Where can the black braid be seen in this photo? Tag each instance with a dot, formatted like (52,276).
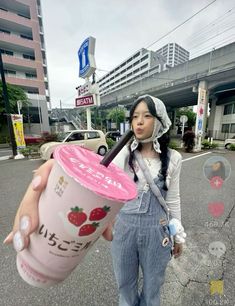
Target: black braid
(164,157)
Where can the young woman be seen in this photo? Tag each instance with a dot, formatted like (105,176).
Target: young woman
(140,237)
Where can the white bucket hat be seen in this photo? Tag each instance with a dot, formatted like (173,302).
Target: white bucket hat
(160,127)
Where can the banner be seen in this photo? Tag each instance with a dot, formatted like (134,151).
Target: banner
(17,122)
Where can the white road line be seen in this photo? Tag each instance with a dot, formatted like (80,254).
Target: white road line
(196,156)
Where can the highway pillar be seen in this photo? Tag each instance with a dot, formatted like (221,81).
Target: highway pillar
(202,105)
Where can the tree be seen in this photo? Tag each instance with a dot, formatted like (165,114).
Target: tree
(189,113)
(15,93)
(117,115)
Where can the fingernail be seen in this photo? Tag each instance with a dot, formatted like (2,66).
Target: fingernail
(8,237)
(25,224)
(18,241)
(36,181)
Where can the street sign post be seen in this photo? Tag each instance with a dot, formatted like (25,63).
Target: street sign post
(183,120)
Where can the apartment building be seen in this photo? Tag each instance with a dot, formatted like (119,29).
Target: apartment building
(174,54)
(139,65)
(24,56)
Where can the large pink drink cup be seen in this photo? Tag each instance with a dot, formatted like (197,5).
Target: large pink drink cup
(81,198)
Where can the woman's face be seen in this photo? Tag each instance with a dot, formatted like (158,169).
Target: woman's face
(142,122)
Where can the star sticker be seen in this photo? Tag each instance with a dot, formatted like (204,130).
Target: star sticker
(201,111)
(216,182)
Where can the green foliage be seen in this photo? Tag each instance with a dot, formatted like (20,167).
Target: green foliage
(189,113)
(15,93)
(30,151)
(173,145)
(110,143)
(208,145)
(116,115)
(232,147)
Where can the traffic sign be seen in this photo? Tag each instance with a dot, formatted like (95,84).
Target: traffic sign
(86,58)
(183,119)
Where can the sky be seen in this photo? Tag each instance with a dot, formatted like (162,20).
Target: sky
(121,28)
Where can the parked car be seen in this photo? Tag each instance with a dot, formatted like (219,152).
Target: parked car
(90,139)
(228,142)
(114,135)
(32,139)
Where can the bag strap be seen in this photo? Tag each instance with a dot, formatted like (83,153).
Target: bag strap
(150,181)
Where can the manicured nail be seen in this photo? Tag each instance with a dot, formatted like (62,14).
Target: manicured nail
(8,237)
(18,241)
(25,224)
(36,181)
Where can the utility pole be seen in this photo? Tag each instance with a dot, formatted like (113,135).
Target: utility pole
(7,106)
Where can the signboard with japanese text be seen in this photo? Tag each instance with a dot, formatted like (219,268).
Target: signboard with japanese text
(17,122)
(85,101)
(86,58)
(201,110)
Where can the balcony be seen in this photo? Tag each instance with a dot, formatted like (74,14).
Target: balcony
(25,82)
(17,40)
(14,18)
(19,61)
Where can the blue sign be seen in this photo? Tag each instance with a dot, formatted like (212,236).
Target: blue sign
(86,58)
(200,124)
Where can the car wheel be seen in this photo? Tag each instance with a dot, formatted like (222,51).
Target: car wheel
(227,146)
(102,151)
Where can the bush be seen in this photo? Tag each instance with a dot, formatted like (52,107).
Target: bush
(232,147)
(173,145)
(47,137)
(208,145)
(30,150)
(214,145)
(110,143)
(4,139)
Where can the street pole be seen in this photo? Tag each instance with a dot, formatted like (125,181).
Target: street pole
(7,106)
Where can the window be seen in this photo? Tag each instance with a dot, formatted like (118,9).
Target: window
(225,128)
(5,31)
(232,128)
(27,56)
(26,37)
(12,72)
(75,136)
(30,75)
(144,58)
(7,52)
(92,135)
(228,109)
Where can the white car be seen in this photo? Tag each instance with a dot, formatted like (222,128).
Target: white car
(228,142)
(93,140)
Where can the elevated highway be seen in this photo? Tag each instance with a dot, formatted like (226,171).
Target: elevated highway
(178,86)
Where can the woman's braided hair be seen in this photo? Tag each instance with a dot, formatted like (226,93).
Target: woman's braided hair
(163,141)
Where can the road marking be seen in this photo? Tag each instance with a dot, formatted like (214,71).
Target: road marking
(4,157)
(196,156)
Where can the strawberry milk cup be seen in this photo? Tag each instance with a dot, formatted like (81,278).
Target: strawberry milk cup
(81,198)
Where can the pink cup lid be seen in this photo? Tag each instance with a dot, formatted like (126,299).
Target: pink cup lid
(84,167)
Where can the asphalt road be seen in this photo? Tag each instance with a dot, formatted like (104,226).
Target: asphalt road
(92,283)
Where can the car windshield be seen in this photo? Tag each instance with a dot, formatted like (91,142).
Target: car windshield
(62,136)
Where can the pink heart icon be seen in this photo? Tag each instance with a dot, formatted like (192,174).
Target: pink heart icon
(216,209)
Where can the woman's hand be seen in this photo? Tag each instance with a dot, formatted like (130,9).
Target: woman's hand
(26,219)
(177,250)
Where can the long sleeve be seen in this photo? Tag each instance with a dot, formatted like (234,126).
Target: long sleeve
(173,193)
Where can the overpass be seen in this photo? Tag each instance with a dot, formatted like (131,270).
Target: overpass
(178,86)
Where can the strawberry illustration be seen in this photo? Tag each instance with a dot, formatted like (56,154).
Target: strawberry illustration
(77,216)
(99,213)
(88,229)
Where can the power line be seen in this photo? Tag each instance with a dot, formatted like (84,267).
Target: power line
(178,26)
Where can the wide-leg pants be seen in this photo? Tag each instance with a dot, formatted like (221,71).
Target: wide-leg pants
(138,242)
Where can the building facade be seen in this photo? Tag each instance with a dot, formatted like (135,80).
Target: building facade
(23,51)
(139,65)
(174,54)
